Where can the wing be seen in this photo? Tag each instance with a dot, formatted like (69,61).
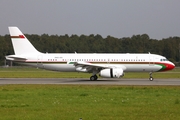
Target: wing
(89,67)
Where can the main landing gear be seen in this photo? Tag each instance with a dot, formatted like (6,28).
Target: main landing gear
(93,77)
(150,76)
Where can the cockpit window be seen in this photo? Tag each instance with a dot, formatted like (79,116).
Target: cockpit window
(163,60)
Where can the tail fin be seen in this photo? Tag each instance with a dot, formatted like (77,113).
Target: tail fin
(20,43)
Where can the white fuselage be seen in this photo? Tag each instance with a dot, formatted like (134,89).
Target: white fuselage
(128,62)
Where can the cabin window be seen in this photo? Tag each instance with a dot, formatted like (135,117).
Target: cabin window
(163,60)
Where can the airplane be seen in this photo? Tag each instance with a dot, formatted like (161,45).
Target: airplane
(106,65)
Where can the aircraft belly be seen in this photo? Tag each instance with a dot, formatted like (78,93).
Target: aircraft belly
(60,67)
(54,67)
(142,68)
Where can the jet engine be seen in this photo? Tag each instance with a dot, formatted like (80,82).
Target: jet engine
(112,73)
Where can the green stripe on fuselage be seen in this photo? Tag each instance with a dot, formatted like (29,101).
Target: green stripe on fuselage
(163,67)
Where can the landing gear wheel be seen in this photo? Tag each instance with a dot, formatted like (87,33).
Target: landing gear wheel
(151,78)
(94,77)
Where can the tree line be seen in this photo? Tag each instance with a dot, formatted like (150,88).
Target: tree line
(168,47)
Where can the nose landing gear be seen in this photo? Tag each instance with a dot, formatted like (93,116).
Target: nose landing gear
(150,76)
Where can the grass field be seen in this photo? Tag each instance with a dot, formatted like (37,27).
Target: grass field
(28,72)
(71,102)
(89,102)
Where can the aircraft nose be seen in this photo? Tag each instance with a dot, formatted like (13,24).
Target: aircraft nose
(170,66)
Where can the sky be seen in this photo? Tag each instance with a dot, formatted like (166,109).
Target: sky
(118,18)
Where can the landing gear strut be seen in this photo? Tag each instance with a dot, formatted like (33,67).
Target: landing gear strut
(150,76)
(93,77)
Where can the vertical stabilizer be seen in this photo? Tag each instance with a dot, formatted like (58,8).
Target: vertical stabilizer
(20,43)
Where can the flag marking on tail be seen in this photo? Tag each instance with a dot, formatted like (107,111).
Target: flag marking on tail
(21,44)
(20,36)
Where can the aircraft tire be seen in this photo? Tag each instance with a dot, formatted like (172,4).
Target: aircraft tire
(94,77)
(151,78)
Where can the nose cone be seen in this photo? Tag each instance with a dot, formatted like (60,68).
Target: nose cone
(169,66)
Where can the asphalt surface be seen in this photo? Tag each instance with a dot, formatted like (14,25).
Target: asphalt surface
(86,81)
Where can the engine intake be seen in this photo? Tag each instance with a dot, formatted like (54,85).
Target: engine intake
(112,73)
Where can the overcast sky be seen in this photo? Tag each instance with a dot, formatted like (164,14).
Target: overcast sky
(118,18)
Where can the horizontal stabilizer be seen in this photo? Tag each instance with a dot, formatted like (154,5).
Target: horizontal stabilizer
(15,57)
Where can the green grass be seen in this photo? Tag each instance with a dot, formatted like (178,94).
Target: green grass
(89,102)
(28,72)
(93,102)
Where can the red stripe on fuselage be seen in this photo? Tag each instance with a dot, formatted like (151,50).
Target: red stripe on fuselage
(167,66)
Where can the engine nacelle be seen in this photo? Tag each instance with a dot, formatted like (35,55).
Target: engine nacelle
(112,73)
